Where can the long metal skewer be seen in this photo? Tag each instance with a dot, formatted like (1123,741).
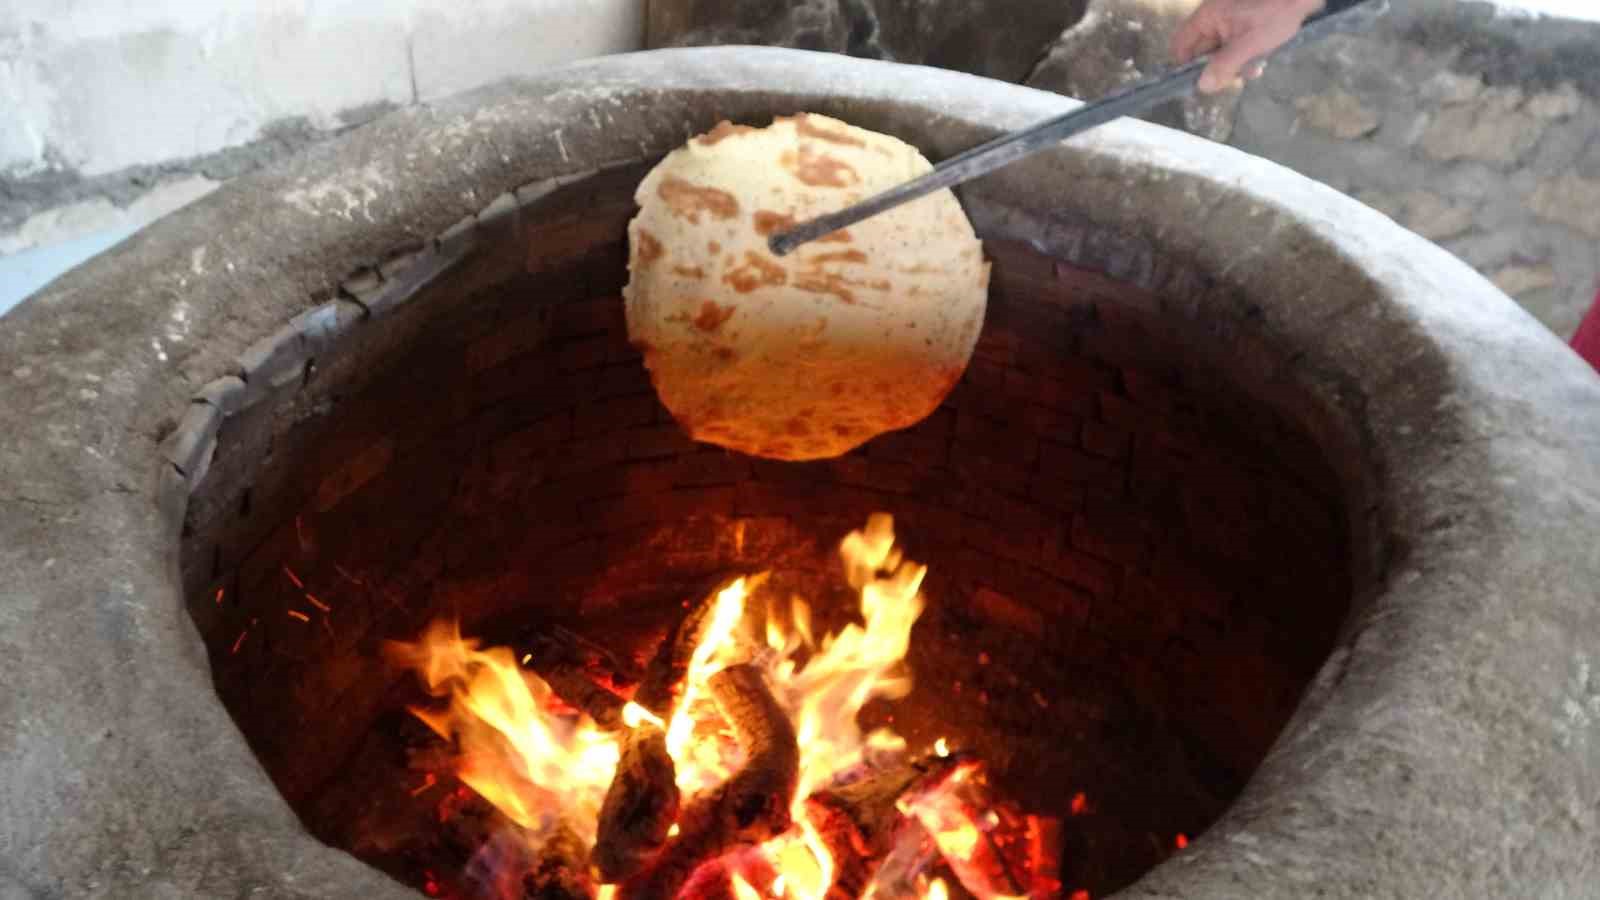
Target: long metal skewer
(1002,151)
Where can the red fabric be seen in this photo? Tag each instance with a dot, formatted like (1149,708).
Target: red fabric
(1587,338)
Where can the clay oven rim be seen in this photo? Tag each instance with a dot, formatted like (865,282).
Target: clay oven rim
(1422,762)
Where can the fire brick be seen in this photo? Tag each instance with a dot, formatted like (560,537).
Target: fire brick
(1191,589)
(980,429)
(1058,426)
(585,455)
(521,335)
(617,381)
(587,317)
(656,442)
(910,447)
(1052,392)
(355,472)
(664,507)
(1105,440)
(1003,509)
(1016,545)
(1147,390)
(1122,412)
(997,468)
(582,353)
(1095,576)
(1073,465)
(876,474)
(1111,534)
(997,607)
(710,467)
(615,414)
(1058,494)
(532,440)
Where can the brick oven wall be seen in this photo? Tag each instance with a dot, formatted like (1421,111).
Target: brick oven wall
(1137,545)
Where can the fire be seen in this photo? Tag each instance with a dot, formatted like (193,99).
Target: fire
(533,766)
(519,746)
(699,763)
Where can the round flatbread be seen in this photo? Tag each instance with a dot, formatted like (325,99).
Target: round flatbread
(809,355)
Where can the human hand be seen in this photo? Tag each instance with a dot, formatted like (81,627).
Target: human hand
(1236,33)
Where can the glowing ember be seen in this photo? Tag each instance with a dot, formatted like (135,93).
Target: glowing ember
(774,790)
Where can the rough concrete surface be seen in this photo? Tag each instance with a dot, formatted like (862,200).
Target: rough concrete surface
(1450,747)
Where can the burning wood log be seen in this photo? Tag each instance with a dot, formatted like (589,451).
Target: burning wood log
(562,870)
(748,809)
(579,691)
(991,847)
(717,880)
(663,682)
(640,806)
(712,881)
(913,854)
(584,675)
(642,802)
(617,672)
(862,822)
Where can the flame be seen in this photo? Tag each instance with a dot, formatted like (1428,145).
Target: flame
(700,764)
(743,890)
(633,715)
(534,766)
(539,767)
(844,672)
(855,666)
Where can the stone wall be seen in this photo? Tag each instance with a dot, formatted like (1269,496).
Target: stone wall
(1479,132)
(1477,128)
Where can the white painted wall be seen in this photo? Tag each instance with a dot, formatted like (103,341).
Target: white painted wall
(101,85)
(1570,9)
(94,87)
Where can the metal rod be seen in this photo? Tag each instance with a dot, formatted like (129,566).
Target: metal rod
(1341,15)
